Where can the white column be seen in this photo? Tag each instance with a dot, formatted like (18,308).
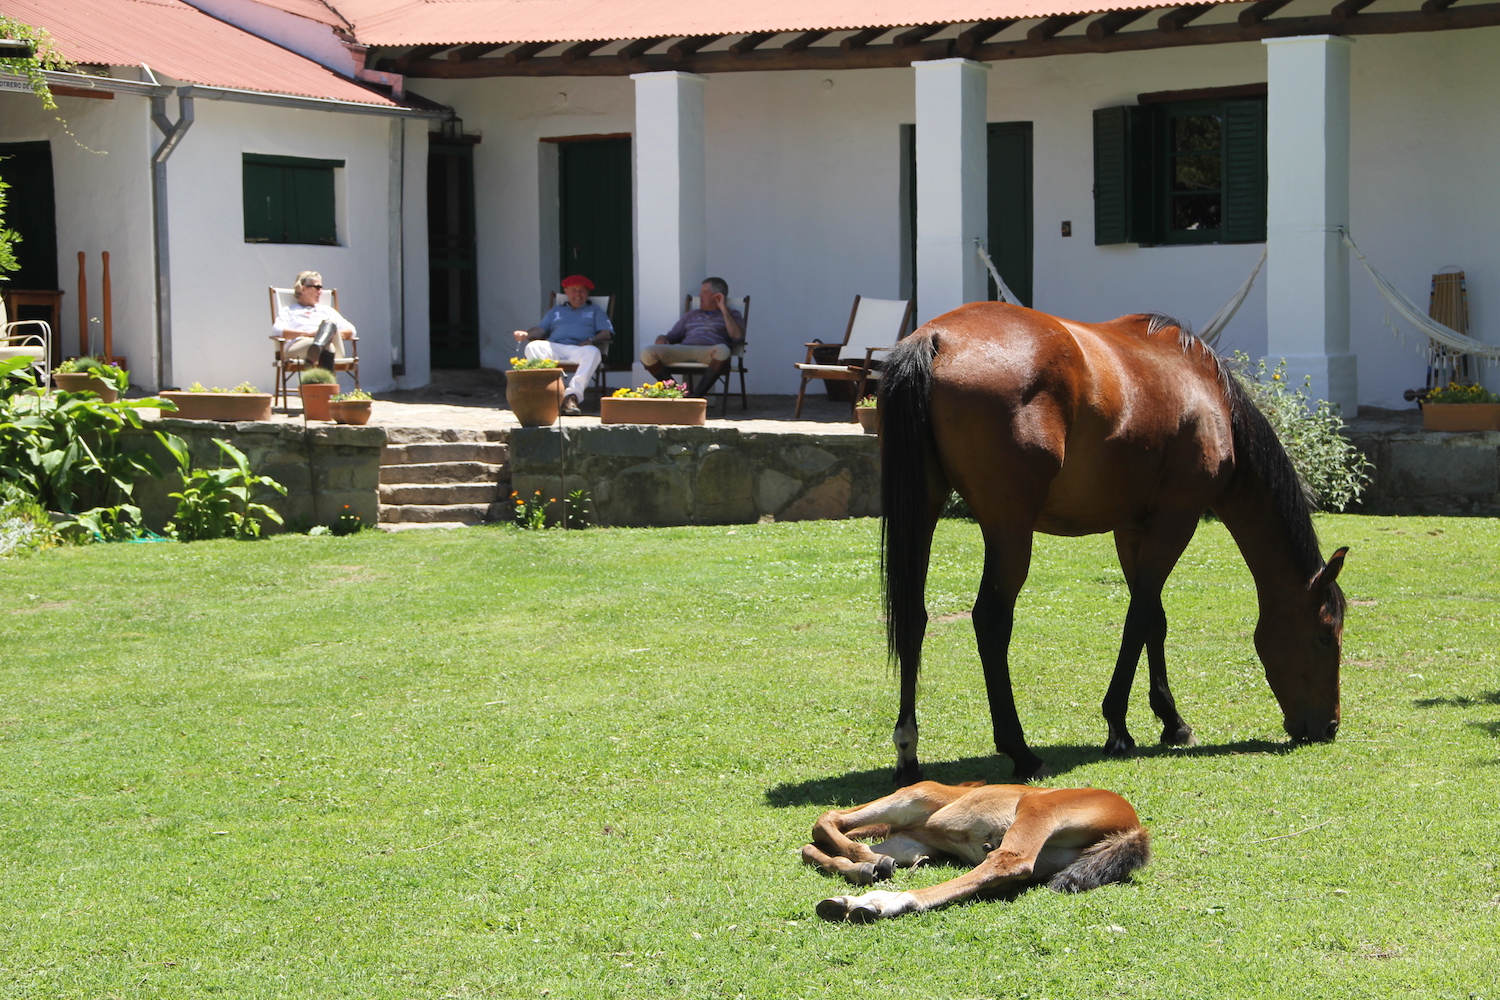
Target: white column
(1307,200)
(671,200)
(952,157)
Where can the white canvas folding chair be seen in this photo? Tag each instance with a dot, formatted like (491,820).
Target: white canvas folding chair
(286,368)
(736,355)
(605,302)
(875,325)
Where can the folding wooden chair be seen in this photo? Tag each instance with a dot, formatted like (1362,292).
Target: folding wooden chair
(605,302)
(285,369)
(874,325)
(736,356)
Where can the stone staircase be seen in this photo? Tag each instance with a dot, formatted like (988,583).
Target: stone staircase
(442,478)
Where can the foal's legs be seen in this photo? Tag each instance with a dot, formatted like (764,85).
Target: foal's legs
(1147,558)
(836,853)
(1007,558)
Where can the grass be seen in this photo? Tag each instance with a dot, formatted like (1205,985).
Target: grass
(503,764)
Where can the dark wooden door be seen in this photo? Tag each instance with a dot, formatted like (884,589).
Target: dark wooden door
(1010,205)
(453,311)
(31,212)
(595,230)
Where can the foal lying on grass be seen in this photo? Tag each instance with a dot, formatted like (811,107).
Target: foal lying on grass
(1015,835)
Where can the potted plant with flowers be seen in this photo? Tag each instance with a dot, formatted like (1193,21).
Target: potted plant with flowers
(867,412)
(534,391)
(1461,408)
(317,386)
(92,375)
(653,403)
(243,402)
(351,407)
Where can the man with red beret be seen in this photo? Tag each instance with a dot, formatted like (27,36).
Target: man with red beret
(575,331)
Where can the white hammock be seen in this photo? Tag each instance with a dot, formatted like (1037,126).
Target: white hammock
(1409,311)
(1215,326)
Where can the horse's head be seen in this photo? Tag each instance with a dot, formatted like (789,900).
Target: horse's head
(1300,650)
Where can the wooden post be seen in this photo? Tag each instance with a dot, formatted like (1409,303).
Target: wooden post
(83,308)
(109,347)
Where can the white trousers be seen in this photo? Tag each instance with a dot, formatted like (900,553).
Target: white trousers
(586,356)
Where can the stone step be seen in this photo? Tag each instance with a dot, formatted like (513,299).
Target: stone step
(439,493)
(412,513)
(421,525)
(434,452)
(442,472)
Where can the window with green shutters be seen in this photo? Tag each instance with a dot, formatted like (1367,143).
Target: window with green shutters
(289,199)
(1176,172)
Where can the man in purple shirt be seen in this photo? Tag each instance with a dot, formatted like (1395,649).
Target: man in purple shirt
(702,335)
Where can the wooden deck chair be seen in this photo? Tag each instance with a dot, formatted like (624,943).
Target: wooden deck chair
(285,368)
(31,338)
(874,325)
(605,302)
(693,369)
(1448,303)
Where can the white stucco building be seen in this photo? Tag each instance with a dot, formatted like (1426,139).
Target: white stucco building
(1116,161)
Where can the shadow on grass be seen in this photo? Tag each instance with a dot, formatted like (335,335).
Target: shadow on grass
(840,791)
(1460,700)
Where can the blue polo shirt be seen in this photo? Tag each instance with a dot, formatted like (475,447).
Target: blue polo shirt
(565,325)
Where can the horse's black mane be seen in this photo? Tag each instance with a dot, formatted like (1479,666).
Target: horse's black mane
(1257,447)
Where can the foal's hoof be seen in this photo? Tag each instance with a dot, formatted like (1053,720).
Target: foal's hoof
(835,909)
(1179,737)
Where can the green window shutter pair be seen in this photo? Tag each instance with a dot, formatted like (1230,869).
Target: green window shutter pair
(289,199)
(1132,186)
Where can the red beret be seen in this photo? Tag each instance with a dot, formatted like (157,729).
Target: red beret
(578,279)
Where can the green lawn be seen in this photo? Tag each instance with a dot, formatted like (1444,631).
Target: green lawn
(500,764)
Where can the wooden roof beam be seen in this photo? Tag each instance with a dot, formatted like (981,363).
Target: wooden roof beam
(1258,12)
(1172,20)
(912,36)
(1102,27)
(971,38)
(802,41)
(752,41)
(684,47)
(468,53)
(1051,26)
(1349,8)
(416,54)
(584,49)
(637,48)
(860,39)
(525,51)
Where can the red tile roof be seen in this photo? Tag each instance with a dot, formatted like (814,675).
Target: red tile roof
(182,43)
(453,22)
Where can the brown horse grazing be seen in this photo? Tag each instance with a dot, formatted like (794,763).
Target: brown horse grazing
(1131,426)
(1073,839)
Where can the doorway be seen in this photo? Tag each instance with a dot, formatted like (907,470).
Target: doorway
(1009,180)
(453,310)
(594,230)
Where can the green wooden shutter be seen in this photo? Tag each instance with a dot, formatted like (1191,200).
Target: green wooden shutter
(262,199)
(1245,171)
(289,199)
(1112,187)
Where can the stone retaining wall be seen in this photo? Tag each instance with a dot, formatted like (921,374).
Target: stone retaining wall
(323,466)
(1430,472)
(639,475)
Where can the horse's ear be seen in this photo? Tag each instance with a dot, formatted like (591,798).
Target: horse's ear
(1329,572)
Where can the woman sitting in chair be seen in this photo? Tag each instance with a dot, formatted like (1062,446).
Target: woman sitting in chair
(301,324)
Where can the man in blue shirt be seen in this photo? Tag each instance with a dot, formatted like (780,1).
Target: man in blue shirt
(575,331)
(703,336)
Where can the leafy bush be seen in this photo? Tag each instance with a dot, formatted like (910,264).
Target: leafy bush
(25,526)
(1332,469)
(216,503)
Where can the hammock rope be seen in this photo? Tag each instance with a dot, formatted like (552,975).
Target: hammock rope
(1006,295)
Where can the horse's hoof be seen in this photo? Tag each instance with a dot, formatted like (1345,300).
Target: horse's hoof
(885,867)
(1183,737)
(1036,768)
(1119,746)
(835,909)
(863,874)
(907,773)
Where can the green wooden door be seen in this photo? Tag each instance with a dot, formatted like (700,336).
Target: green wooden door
(453,310)
(30,211)
(595,231)
(1010,206)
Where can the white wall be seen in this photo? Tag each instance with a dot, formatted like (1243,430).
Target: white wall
(220,313)
(102,185)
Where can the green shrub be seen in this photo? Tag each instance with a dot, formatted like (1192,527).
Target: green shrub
(1332,469)
(216,503)
(25,526)
(317,376)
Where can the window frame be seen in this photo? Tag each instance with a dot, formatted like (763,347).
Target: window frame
(289,199)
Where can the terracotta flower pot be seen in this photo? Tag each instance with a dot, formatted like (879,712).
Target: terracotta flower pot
(351,411)
(315,397)
(1461,416)
(236,406)
(630,410)
(534,395)
(84,382)
(869,419)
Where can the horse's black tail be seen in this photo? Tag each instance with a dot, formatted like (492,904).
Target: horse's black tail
(905,457)
(1110,860)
